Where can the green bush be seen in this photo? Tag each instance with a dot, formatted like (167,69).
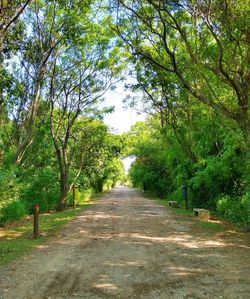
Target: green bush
(245,201)
(85,194)
(223,204)
(176,195)
(15,210)
(41,188)
(9,189)
(107,184)
(236,210)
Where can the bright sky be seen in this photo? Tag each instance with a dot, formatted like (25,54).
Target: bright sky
(122,118)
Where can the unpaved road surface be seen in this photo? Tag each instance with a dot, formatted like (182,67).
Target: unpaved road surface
(126,246)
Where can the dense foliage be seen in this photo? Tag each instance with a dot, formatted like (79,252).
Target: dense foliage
(216,174)
(191,61)
(188,59)
(55,66)
(196,47)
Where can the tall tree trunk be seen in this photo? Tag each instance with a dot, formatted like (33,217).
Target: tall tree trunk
(63,164)
(244,123)
(64,186)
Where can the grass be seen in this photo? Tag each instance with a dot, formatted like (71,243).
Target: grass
(210,225)
(183,212)
(17,239)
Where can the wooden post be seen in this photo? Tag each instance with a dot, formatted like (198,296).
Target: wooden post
(36,213)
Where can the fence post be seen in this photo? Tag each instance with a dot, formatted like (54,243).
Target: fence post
(36,214)
(184,195)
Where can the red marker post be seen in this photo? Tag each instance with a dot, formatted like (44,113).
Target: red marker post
(36,213)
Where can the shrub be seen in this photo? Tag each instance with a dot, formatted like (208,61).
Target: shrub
(245,201)
(15,210)
(223,204)
(236,210)
(41,188)
(107,184)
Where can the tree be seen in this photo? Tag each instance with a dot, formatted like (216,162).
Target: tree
(80,75)
(201,47)
(55,72)
(44,37)
(10,11)
(73,93)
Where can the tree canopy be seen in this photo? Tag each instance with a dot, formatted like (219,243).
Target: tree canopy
(189,59)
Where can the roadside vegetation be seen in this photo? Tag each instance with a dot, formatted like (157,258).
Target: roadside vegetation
(55,66)
(17,237)
(189,63)
(218,180)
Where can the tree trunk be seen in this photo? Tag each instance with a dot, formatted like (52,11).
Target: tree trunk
(62,205)
(243,121)
(100,185)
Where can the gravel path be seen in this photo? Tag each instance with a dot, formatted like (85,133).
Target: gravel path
(126,246)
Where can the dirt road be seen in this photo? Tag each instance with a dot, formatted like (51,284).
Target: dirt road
(126,246)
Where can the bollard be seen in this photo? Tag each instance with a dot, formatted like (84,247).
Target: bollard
(36,213)
(184,195)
